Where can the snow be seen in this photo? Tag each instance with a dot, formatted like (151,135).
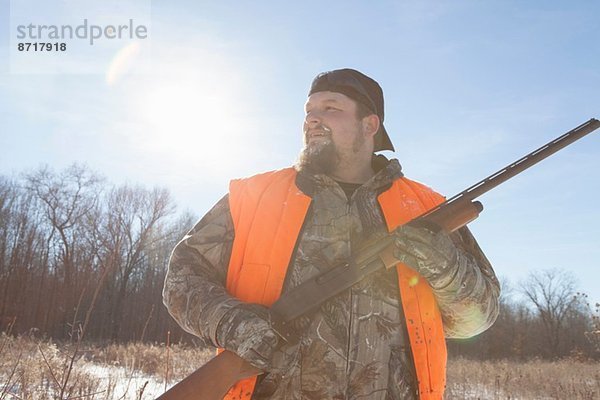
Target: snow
(124,383)
(100,382)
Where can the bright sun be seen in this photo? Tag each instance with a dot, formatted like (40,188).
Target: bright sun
(194,113)
(182,117)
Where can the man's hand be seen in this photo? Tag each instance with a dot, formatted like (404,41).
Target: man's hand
(246,331)
(433,255)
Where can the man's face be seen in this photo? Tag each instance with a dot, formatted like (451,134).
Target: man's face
(332,131)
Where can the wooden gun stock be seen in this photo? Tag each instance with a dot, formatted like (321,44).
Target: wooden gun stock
(214,379)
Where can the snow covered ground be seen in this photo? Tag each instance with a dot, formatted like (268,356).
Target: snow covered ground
(124,383)
(102,382)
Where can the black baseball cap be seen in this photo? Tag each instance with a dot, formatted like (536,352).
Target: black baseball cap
(360,88)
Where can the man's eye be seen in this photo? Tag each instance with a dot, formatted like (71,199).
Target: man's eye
(329,108)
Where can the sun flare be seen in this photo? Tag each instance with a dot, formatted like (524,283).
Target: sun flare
(192,112)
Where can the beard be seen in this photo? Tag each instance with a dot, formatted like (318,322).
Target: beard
(323,156)
(318,158)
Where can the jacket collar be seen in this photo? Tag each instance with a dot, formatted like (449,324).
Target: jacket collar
(386,172)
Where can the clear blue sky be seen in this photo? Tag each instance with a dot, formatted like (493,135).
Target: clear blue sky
(217,92)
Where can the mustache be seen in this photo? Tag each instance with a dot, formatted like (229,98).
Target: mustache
(319,127)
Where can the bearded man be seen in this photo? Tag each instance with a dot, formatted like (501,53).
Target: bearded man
(384,338)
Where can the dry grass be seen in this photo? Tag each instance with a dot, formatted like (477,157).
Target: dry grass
(537,379)
(152,359)
(37,369)
(34,369)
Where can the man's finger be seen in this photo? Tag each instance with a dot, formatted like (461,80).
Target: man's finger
(420,234)
(414,248)
(407,259)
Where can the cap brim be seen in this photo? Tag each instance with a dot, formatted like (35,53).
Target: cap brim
(382,140)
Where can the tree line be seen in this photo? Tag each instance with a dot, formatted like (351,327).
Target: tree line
(543,316)
(80,257)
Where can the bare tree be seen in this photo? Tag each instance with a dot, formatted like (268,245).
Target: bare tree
(130,227)
(69,246)
(66,198)
(593,333)
(11,228)
(553,295)
(20,251)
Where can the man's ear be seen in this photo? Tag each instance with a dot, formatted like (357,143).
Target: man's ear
(370,125)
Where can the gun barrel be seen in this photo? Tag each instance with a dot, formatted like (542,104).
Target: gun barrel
(522,164)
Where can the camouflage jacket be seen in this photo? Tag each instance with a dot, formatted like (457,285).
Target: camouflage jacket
(354,346)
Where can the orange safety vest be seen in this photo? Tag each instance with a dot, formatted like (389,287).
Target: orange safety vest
(268,211)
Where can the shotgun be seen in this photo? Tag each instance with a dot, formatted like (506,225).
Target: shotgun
(212,380)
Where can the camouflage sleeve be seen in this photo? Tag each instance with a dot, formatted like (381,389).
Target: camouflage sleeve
(194,291)
(468,299)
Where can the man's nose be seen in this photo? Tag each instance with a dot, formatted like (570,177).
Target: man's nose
(312,118)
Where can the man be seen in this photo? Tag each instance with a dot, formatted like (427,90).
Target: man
(384,338)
